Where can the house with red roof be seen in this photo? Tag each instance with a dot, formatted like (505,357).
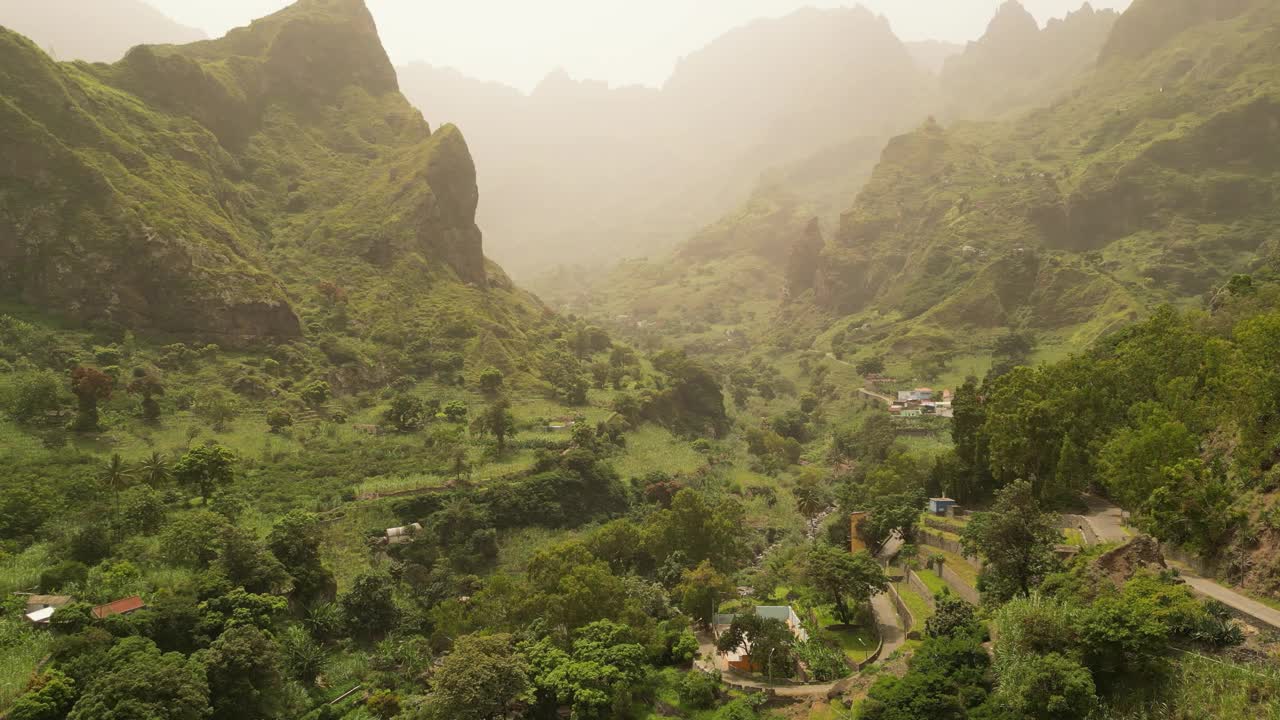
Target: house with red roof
(124,606)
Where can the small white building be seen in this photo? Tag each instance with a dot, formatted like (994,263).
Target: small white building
(401,535)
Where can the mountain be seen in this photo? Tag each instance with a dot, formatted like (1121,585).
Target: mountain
(238,189)
(1017,65)
(931,55)
(582,170)
(97,31)
(1152,183)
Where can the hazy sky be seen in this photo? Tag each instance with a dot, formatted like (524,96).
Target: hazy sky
(622,41)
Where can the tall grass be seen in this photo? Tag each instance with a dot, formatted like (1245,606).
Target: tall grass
(21,572)
(655,448)
(21,649)
(1204,687)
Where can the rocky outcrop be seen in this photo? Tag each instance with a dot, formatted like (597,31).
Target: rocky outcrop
(1121,564)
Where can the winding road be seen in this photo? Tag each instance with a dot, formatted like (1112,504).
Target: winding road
(1107,522)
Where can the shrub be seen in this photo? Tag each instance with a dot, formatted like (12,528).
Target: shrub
(699,690)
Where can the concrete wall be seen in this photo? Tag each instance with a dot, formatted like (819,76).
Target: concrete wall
(1077,522)
(958,586)
(909,623)
(929,537)
(933,539)
(918,585)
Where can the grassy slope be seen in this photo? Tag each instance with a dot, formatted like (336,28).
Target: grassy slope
(1149,184)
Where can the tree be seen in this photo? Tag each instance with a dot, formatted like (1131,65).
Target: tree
(217,406)
(194,539)
(148,387)
(317,393)
(812,496)
(698,690)
(701,591)
(406,414)
(369,608)
(1015,541)
(1048,687)
(278,419)
(295,540)
(952,617)
(142,509)
(767,642)
(154,470)
(30,395)
(116,476)
(844,579)
(140,683)
(243,667)
(245,561)
(205,469)
(481,679)
(301,656)
(491,381)
(455,411)
(888,513)
(50,697)
(870,366)
(90,386)
(496,421)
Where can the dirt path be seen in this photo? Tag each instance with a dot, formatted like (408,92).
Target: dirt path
(882,398)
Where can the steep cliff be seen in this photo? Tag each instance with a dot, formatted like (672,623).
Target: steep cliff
(207,189)
(1017,65)
(1152,183)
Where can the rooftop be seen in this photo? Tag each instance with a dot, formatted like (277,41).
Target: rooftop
(123,606)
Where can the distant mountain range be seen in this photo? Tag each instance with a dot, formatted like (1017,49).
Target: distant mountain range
(578,170)
(95,30)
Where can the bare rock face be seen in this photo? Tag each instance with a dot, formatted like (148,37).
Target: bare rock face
(1121,564)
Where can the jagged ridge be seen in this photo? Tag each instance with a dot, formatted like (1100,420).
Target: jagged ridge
(209,187)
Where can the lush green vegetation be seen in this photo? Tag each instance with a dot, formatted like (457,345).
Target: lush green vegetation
(255,370)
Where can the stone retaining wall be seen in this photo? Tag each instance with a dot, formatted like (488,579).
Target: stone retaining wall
(908,620)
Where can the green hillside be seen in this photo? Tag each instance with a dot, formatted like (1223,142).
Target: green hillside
(1152,183)
(229,190)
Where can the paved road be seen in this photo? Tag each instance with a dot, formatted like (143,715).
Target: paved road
(1253,609)
(890,624)
(1106,520)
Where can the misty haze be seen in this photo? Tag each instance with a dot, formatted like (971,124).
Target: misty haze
(751,360)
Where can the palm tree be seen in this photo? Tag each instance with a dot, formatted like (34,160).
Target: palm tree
(116,475)
(155,470)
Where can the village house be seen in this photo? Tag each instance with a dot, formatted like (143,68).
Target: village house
(41,607)
(738,659)
(401,535)
(124,606)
